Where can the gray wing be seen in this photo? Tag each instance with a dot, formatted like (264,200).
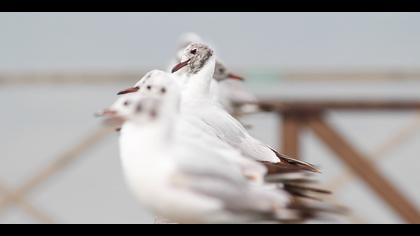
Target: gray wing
(226,127)
(215,177)
(245,202)
(198,160)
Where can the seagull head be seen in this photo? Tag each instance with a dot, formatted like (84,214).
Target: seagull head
(136,108)
(155,82)
(221,73)
(145,110)
(155,86)
(194,58)
(118,112)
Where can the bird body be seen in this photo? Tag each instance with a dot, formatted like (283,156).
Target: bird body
(235,97)
(196,72)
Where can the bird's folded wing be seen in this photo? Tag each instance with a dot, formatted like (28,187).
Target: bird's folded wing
(237,197)
(205,161)
(227,127)
(208,145)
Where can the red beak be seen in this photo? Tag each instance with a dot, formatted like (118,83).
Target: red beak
(235,77)
(180,66)
(106,112)
(112,118)
(129,90)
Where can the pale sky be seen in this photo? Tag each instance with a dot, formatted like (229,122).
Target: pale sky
(120,41)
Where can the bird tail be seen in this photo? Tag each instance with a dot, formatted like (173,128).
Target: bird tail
(301,211)
(298,185)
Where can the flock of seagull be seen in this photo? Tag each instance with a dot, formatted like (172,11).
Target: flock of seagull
(188,160)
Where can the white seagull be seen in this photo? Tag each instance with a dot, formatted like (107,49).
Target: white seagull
(196,69)
(232,93)
(227,88)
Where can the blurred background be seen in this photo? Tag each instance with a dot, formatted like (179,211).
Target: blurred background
(58,69)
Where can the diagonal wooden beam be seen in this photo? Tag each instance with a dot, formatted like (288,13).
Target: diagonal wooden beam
(365,169)
(57,165)
(28,208)
(405,134)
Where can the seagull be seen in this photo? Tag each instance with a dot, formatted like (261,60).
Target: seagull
(184,182)
(227,88)
(196,69)
(231,92)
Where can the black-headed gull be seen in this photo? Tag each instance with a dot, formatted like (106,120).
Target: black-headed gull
(196,70)
(229,90)
(196,75)
(232,93)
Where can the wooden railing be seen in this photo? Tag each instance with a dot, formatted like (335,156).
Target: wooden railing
(298,115)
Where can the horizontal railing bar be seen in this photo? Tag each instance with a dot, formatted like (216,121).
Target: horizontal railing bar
(101,77)
(322,105)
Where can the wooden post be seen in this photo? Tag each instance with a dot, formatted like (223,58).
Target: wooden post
(365,169)
(290,129)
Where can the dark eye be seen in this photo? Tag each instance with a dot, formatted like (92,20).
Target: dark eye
(126,103)
(193,51)
(163,90)
(221,70)
(149,87)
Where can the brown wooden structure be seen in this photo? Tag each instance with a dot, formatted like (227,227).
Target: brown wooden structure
(298,115)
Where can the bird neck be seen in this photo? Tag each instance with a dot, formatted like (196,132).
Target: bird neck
(143,145)
(156,133)
(198,84)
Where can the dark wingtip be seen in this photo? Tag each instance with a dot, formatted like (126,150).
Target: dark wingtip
(304,165)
